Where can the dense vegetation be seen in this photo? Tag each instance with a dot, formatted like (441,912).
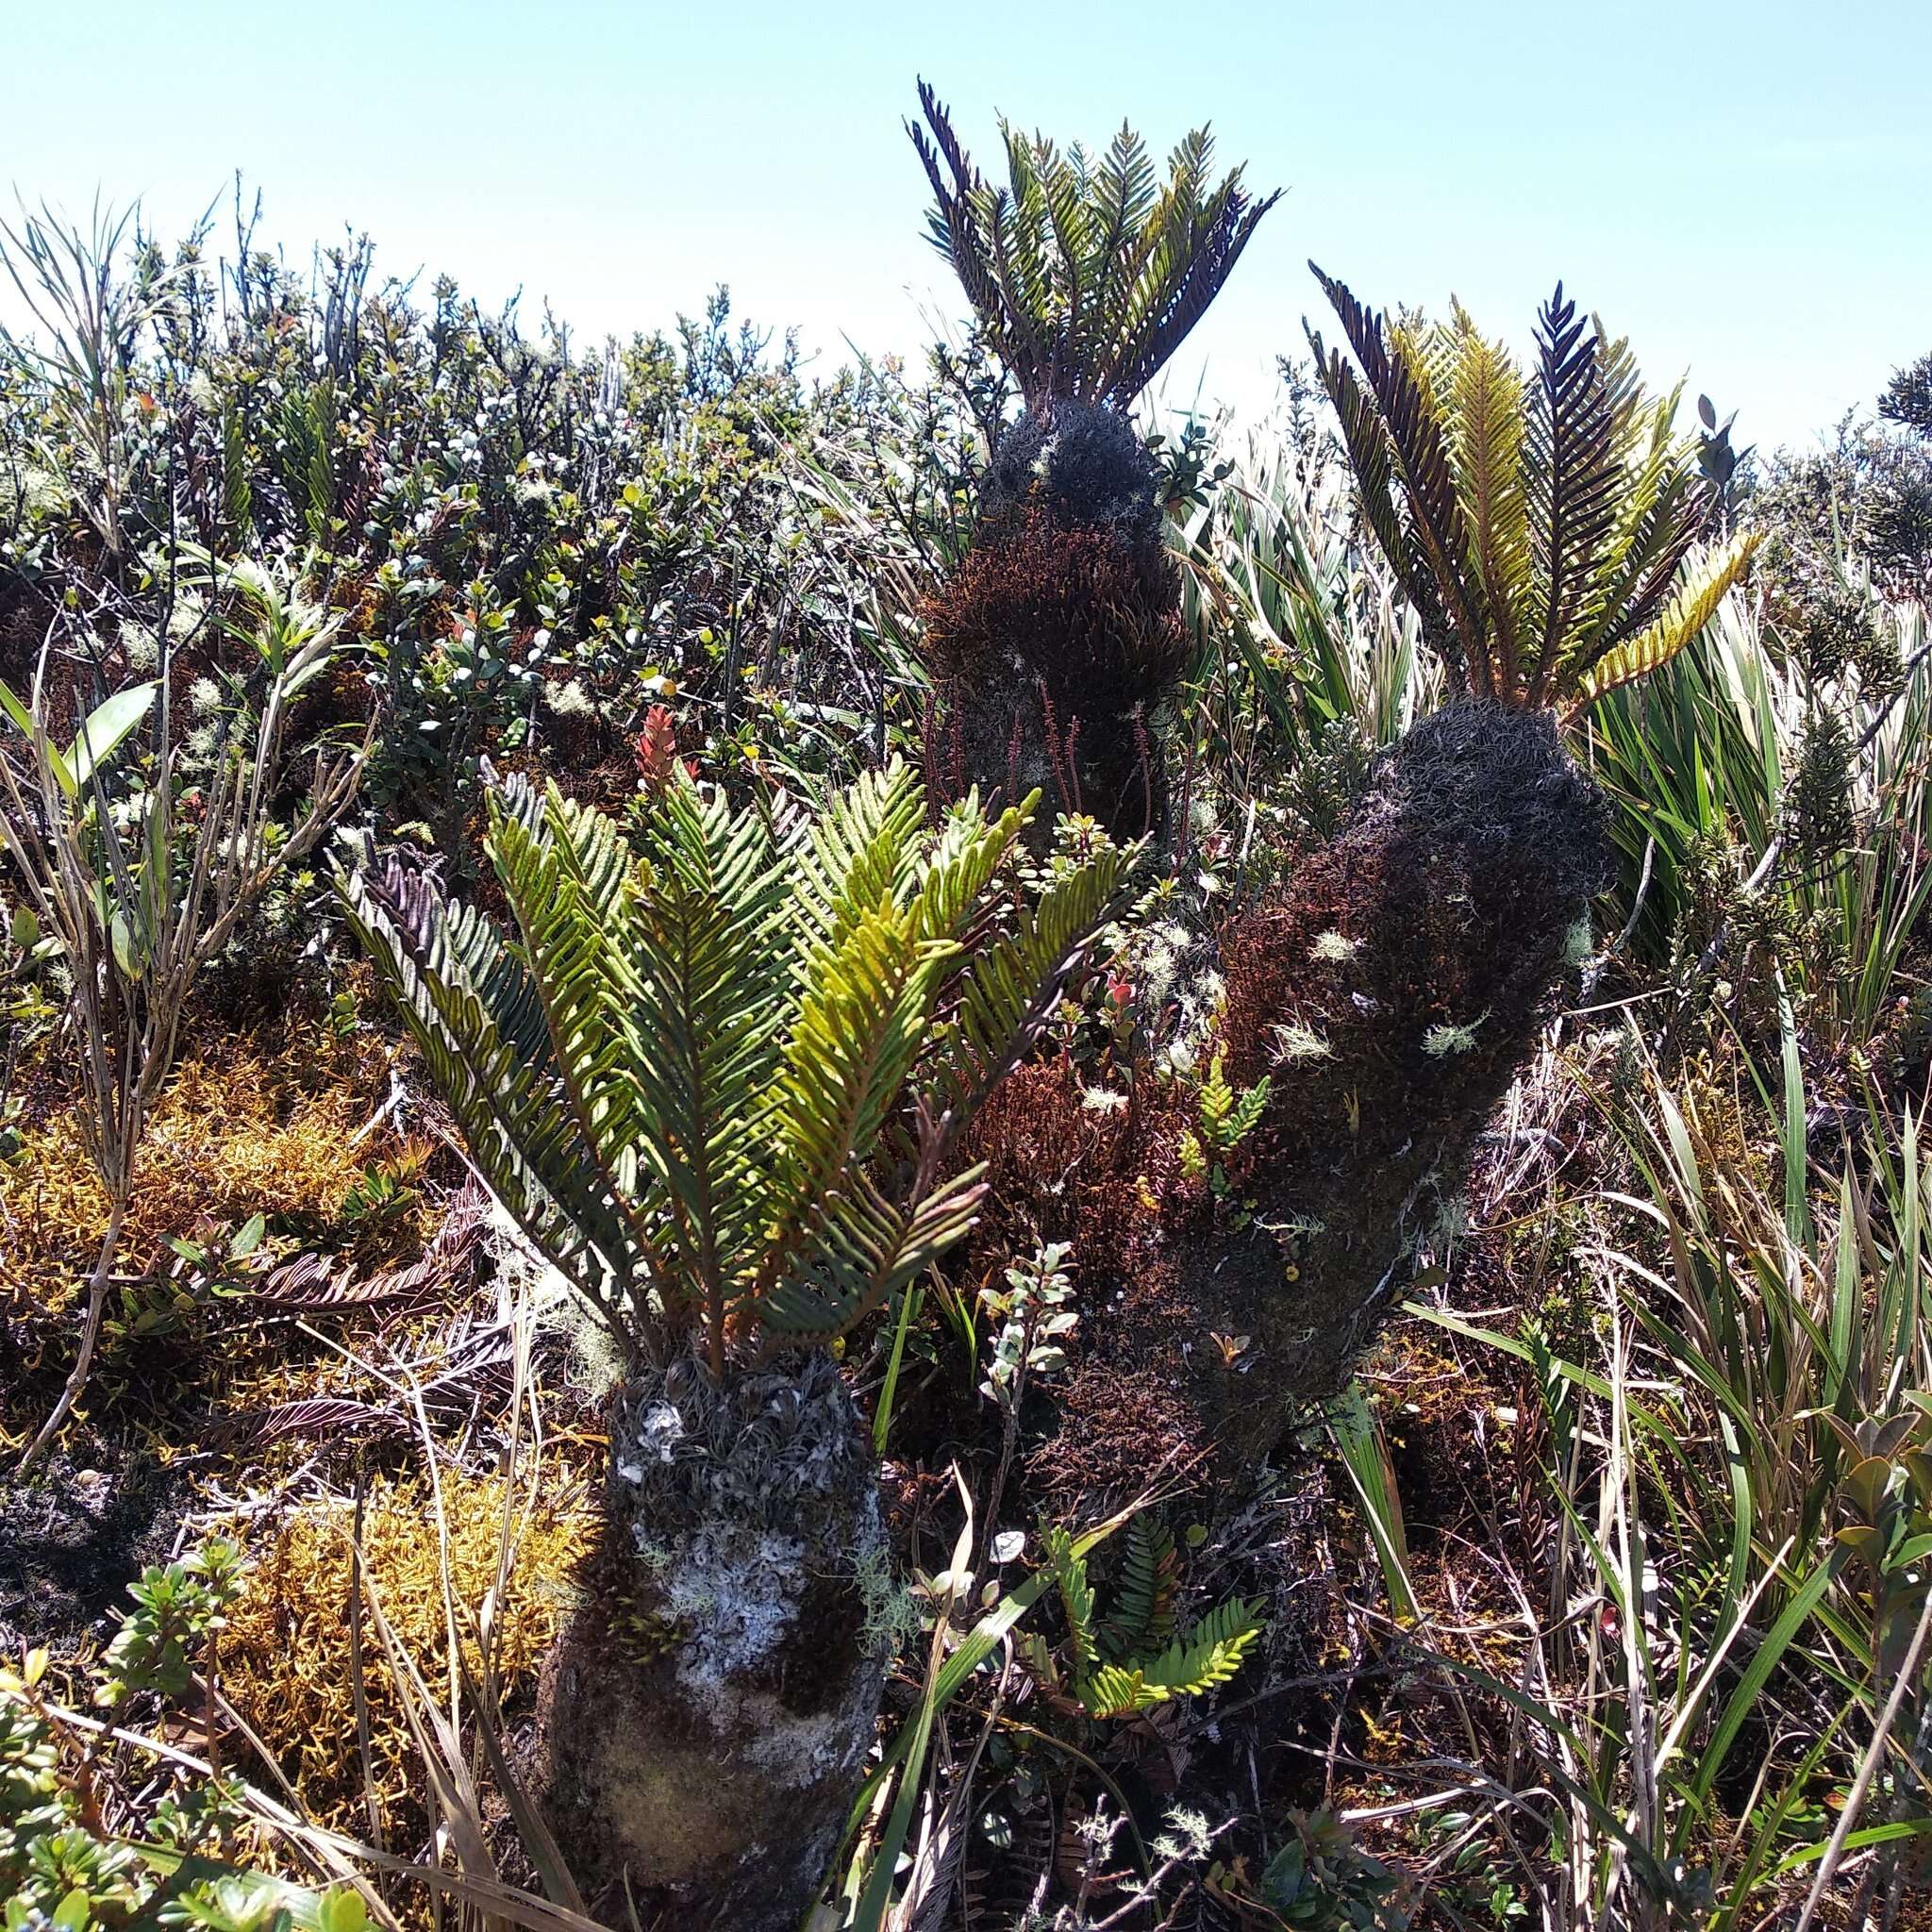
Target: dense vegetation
(910,1154)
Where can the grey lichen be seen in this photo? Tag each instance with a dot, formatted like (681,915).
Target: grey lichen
(740,1501)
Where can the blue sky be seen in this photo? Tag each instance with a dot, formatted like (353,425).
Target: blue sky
(1745,190)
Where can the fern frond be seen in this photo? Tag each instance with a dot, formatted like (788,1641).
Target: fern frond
(1691,606)
(1416,440)
(864,850)
(1572,481)
(1004,993)
(476,1015)
(1208,1655)
(691,1078)
(864,1250)
(568,880)
(1372,460)
(1085,277)
(1141,1619)
(1487,431)
(1069,1568)
(714,997)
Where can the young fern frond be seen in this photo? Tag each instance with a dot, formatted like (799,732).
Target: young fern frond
(1130,1678)
(1207,1656)
(1693,604)
(1077,1600)
(1141,1619)
(700,1077)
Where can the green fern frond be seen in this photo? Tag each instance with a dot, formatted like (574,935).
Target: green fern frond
(1141,1619)
(475,1013)
(1069,1570)
(713,998)
(1202,1660)
(1004,993)
(704,1077)
(1486,438)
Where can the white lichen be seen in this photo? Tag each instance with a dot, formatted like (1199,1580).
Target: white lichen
(1441,1041)
(1294,1042)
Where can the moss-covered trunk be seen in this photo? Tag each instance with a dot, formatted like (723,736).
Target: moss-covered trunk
(1389,991)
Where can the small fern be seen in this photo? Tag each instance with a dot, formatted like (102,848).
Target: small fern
(1224,1119)
(1128,1678)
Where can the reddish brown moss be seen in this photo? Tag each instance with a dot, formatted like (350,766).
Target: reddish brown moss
(1086,610)
(1051,643)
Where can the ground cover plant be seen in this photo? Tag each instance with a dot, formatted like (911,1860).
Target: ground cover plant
(921,1153)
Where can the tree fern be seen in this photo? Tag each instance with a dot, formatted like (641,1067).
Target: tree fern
(1542,522)
(715,1073)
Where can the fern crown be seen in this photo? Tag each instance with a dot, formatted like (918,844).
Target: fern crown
(1086,274)
(1544,526)
(715,1080)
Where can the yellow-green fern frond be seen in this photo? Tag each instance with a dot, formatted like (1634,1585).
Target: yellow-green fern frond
(1691,606)
(1487,426)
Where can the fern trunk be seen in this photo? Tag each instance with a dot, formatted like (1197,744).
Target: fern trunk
(1057,641)
(704,1720)
(1390,991)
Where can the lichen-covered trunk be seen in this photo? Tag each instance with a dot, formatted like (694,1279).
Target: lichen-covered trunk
(705,1718)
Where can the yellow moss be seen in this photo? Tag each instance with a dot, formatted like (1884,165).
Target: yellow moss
(287,1660)
(237,1133)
